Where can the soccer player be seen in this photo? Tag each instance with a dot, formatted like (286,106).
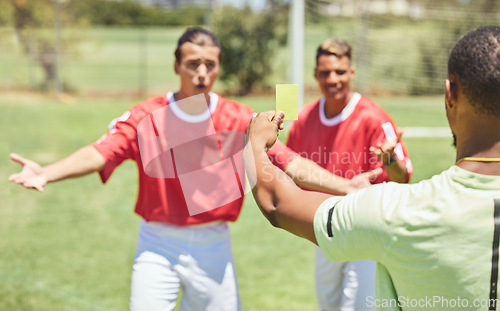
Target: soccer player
(347,134)
(190,182)
(435,242)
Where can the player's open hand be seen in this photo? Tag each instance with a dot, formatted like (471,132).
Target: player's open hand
(385,151)
(263,129)
(363,180)
(31,176)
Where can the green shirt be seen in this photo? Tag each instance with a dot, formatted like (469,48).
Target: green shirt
(432,241)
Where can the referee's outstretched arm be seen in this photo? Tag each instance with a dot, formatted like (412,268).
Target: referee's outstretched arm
(284,204)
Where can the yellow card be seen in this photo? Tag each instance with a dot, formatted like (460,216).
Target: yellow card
(287,100)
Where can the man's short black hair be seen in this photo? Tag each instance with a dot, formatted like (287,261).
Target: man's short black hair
(475,62)
(198,36)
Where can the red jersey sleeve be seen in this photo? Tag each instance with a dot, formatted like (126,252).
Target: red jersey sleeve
(117,144)
(280,155)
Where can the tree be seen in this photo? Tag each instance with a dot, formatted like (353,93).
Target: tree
(248,41)
(34,23)
(133,13)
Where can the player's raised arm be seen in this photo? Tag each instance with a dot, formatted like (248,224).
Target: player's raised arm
(396,170)
(84,161)
(283,203)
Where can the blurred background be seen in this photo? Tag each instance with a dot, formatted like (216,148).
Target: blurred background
(69,67)
(105,47)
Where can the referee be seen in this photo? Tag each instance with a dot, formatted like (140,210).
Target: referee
(435,242)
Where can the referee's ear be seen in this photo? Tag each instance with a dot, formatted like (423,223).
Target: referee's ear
(450,92)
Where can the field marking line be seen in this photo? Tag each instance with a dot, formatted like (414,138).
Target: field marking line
(427,132)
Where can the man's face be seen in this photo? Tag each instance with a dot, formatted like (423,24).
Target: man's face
(334,75)
(198,68)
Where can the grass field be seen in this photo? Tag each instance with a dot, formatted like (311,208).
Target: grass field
(71,247)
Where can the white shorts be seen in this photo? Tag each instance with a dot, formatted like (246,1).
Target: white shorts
(197,259)
(344,286)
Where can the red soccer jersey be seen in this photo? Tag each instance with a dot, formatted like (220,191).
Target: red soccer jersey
(342,144)
(188,181)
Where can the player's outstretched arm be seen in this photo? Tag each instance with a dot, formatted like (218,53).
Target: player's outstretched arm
(396,171)
(283,203)
(308,174)
(84,161)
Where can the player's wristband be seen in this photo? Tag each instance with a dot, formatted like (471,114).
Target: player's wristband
(391,161)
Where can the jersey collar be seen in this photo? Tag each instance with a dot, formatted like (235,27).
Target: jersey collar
(344,114)
(212,105)
(474,180)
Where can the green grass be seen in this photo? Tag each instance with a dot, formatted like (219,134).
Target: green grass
(415,111)
(59,248)
(71,247)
